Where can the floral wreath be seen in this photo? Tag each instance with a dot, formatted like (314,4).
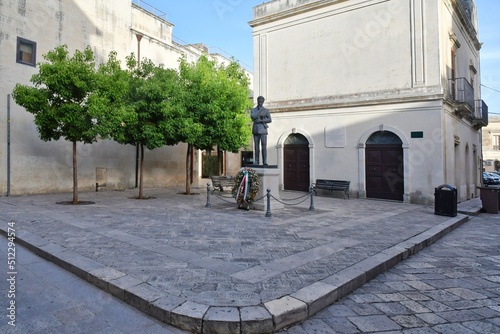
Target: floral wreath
(246,185)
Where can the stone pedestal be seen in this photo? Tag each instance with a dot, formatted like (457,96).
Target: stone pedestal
(269,177)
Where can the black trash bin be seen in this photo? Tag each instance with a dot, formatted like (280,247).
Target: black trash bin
(445,200)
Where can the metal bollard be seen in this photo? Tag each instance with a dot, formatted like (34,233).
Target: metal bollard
(208,196)
(268,213)
(311,207)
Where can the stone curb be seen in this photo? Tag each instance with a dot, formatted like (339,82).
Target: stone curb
(273,316)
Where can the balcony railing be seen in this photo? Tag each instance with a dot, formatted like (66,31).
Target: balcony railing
(147,7)
(480,117)
(461,91)
(461,94)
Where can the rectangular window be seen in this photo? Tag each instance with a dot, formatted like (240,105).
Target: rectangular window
(453,75)
(473,73)
(26,52)
(496,142)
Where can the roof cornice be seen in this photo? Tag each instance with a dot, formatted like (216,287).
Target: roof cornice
(314,4)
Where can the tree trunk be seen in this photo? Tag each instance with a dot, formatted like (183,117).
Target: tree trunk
(75,175)
(220,161)
(141,177)
(188,169)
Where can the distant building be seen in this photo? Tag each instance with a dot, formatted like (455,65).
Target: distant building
(491,145)
(29,29)
(385,94)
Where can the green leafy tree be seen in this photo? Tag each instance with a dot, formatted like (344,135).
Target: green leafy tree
(67,100)
(110,99)
(155,114)
(216,98)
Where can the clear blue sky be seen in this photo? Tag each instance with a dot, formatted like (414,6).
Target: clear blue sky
(489,34)
(222,25)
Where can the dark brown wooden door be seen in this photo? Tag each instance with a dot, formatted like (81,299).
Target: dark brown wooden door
(296,171)
(384,172)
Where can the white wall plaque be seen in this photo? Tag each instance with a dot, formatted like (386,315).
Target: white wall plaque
(335,136)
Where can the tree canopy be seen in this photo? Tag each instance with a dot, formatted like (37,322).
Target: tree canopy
(59,95)
(69,98)
(155,109)
(216,101)
(155,113)
(203,104)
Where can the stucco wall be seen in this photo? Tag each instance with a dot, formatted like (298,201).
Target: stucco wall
(362,50)
(38,166)
(466,48)
(360,66)
(352,126)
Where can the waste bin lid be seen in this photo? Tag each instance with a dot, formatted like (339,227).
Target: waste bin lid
(446,187)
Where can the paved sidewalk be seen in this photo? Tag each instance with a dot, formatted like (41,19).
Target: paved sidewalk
(452,286)
(221,269)
(49,299)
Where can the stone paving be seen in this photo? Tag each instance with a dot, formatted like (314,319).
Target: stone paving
(50,299)
(201,268)
(453,286)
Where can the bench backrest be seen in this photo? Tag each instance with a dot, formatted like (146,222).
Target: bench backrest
(222,180)
(333,183)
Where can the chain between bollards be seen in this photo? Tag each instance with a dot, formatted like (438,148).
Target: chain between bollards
(268,195)
(268,212)
(311,207)
(208,196)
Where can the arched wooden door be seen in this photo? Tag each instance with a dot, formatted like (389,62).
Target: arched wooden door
(296,163)
(384,166)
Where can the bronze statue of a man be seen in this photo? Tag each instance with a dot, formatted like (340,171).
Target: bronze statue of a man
(260,117)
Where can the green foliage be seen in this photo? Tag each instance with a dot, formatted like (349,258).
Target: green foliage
(109,103)
(216,99)
(71,98)
(59,97)
(204,104)
(239,190)
(154,116)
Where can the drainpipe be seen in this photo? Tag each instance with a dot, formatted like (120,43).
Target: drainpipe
(139,37)
(8,144)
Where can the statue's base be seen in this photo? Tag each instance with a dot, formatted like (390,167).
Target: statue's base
(269,177)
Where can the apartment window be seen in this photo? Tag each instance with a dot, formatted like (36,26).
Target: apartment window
(26,52)
(453,74)
(473,72)
(496,142)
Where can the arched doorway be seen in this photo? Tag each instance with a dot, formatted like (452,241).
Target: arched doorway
(384,166)
(296,163)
